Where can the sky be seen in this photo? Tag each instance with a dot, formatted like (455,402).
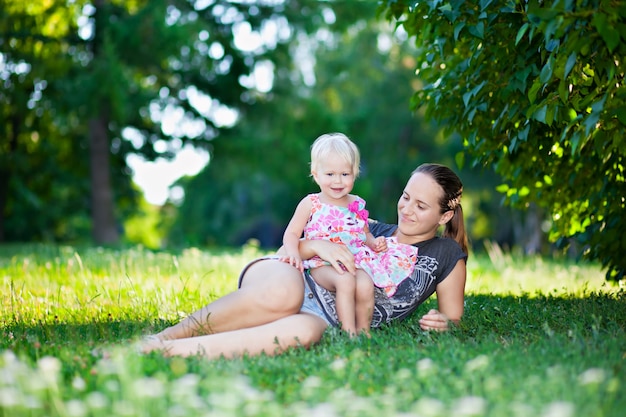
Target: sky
(155,178)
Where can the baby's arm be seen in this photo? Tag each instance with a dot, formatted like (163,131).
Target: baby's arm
(377,244)
(293,233)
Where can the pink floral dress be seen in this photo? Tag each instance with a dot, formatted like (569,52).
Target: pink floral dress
(347,226)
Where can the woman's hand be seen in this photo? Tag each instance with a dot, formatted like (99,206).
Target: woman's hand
(434,320)
(336,254)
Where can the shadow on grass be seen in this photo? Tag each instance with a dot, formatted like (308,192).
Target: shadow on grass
(38,339)
(545,314)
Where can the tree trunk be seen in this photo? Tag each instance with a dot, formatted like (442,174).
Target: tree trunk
(102,202)
(5,172)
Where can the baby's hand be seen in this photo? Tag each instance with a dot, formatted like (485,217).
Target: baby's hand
(380,244)
(294,261)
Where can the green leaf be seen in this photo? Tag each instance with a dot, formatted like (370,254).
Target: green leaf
(524,191)
(502,188)
(467,97)
(571,61)
(459,158)
(576,136)
(520,33)
(478,30)
(523,134)
(550,115)
(534,89)
(546,72)
(484,4)
(547,180)
(563,91)
(457,29)
(540,114)
(591,122)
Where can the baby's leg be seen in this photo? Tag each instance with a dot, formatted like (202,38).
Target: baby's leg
(364,301)
(344,286)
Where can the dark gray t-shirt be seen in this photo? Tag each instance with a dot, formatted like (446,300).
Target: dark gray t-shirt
(436,258)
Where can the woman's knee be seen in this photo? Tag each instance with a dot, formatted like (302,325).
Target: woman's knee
(310,330)
(277,285)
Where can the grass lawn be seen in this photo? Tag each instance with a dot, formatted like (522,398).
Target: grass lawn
(539,338)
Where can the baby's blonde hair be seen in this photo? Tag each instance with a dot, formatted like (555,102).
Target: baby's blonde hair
(335,143)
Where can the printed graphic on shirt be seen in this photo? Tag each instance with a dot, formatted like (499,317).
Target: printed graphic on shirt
(410,294)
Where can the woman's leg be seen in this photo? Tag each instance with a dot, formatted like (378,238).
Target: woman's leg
(345,289)
(297,330)
(364,301)
(270,290)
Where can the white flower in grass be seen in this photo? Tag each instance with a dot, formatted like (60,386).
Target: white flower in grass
(76,408)
(8,358)
(32,403)
(493,383)
(229,400)
(79,384)
(480,362)
(520,409)
(426,367)
(312,382)
(36,384)
(124,409)
(9,397)
(592,376)
(148,388)
(469,406)
(429,407)
(403,374)
(8,375)
(321,410)
(177,410)
(49,365)
(559,409)
(310,386)
(338,364)
(96,400)
(112,386)
(49,368)
(185,388)
(107,367)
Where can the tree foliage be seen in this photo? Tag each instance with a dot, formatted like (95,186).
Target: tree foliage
(536,89)
(86,83)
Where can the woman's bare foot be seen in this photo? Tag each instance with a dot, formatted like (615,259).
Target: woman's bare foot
(149,344)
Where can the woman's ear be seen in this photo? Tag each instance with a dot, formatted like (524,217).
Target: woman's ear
(446,217)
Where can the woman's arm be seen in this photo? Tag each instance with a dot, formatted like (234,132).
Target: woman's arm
(450,300)
(338,255)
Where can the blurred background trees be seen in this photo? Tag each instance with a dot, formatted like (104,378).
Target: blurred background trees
(86,85)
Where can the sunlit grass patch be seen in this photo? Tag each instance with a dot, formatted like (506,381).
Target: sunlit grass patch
(539,337)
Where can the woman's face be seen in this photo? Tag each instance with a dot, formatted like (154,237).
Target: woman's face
(419,214)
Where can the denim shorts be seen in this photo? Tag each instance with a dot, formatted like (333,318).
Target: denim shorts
(311,306)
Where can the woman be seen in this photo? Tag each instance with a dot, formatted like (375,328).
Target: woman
(268,313)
